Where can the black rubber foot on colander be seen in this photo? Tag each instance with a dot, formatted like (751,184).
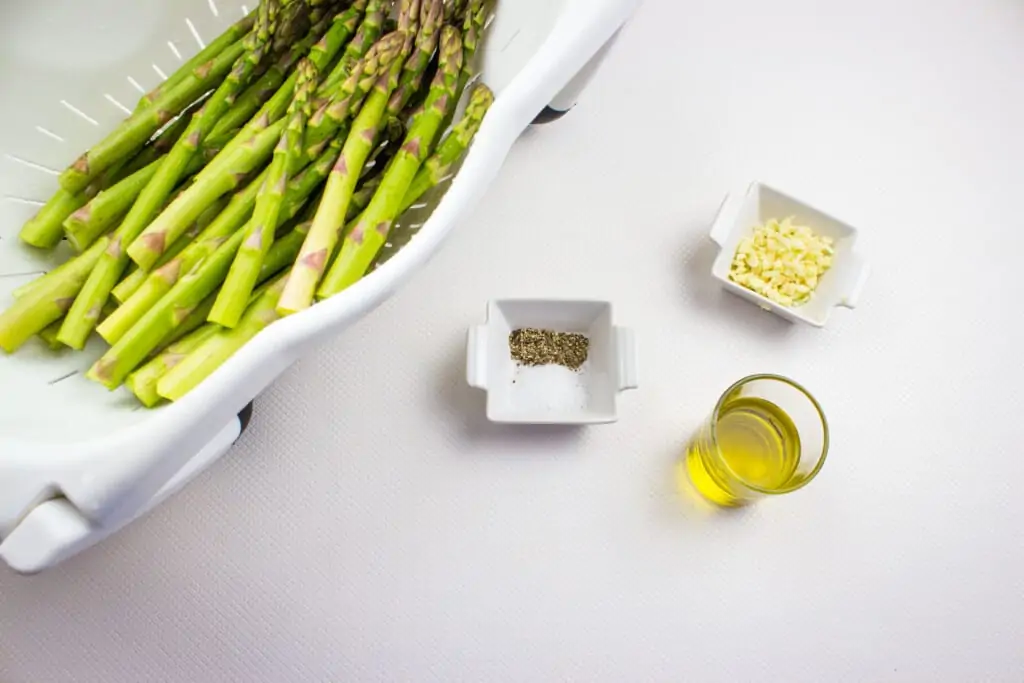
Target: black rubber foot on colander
(244,418)
(547,115)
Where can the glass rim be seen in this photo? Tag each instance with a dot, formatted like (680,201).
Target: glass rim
(817,406)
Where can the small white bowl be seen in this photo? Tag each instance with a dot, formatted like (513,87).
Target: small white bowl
(551,394)
(742,211)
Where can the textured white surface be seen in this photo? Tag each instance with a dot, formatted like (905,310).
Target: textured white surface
(373,526)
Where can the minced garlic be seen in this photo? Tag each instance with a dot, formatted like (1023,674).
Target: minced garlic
(782,262)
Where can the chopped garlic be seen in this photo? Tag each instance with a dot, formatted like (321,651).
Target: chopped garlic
(782,262)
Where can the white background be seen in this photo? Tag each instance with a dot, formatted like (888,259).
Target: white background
(373,526)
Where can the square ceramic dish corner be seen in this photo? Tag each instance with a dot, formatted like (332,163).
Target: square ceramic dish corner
(551,394)
(743,210)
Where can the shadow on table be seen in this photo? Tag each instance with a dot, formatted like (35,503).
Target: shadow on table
(711,300)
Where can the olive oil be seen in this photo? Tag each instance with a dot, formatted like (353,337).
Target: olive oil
(755,448)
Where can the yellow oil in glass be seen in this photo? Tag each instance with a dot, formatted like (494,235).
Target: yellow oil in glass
(757,444)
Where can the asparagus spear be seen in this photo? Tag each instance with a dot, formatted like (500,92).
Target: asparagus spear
(234,33)
(192,322)
(323,234)
(370,231)
(241,280)
(234,215)
(329,119)
(84,314)
(278,104)
(163,318)
(140,126)
(96,218)
(256,43)
(295,18)
(455,12)
(431,15)
(284,251)
(472,30)
(158,146)
(143,381)
(47,301)
(135,279)
(49,335)
(321,46)
(452,148)
(215,350)
(161,280)
(44,229)
(370,30)
(222,175)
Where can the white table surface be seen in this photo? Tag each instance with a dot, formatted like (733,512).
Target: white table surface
(372,525)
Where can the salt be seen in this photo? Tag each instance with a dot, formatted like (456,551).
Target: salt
(549,387)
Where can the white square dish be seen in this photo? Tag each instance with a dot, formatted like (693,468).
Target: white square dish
(551,394)
(742,211)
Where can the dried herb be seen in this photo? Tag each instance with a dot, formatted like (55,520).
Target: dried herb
(531,346)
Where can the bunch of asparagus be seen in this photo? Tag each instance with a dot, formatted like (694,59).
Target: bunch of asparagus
(218,205)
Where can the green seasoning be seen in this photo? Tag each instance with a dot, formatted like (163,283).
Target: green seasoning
(531,346)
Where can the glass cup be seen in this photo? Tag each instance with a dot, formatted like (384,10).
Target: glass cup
(767,436)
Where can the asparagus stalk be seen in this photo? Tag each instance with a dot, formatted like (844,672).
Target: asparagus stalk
(394,133)
(234,296)
(284,251)
(221,43)
(331,116)
(321,46)
(96,218)
(143,381)
(294,18)
(47,301)
(234,215)
(140,126)
(370,232)
(83,317)
(44,230)
(451,149)
(162,319)
(361,198)
(256,43)
(474,20)
(161,280)
(192,322)
(218,348)
(131,283)
(455,12)
(431,16)
(49,335)
(221,176)
(323,234)
(370,30)
(277,105)
(87,224)
(158,146)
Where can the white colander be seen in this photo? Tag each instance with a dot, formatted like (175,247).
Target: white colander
(77,462)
